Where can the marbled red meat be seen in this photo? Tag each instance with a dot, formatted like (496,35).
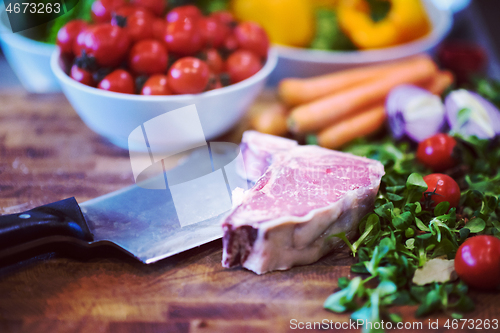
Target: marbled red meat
(257,150)
(306,194)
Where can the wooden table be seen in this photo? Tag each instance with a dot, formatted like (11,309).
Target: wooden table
(48,154)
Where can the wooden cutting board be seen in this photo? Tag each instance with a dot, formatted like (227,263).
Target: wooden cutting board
(48,154)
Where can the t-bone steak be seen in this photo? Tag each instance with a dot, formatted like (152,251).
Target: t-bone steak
(257,150)
(306,194)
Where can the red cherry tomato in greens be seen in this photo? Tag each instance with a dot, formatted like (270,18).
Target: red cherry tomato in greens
(118,81)
(242,64)
(440,188)
(436,152)
(477,262)
(67,34)
(188,75)
(156,85)
(148,56)
(462,58)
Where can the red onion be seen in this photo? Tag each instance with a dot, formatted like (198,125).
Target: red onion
(479,117)
(414,112)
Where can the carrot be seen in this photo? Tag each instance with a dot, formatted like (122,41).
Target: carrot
(271,119)
(440,82)
(327,110)
(351,128)
(295,91)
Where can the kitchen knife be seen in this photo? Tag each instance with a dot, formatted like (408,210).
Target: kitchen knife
(144,222)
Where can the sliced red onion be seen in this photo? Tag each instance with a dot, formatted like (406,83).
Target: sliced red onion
(483,119)
(414,112)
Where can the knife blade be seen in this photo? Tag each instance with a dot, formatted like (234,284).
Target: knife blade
(143,220)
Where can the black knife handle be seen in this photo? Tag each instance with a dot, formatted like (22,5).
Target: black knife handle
(61,218)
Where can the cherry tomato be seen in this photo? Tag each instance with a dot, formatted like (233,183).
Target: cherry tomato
(118,81)
(156,6)
(252,37)
(188,75)
(440,187)
(213,59)
(108,44)
(67,34)
(137,25)
(462,58)
(230,44)
(101,10)
(101,73)
(81,75)
(183,11)
(156,85)
(436,152)
(128,10)
(242,64)
(149,57)
(183,37)
(477,262)
(213,31)
(225,17)
(79,42)
(214,82)
(158,27)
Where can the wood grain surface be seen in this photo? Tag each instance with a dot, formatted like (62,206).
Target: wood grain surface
(48,154)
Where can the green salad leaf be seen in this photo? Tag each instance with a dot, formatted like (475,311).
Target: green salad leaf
(488,88)
(401,234)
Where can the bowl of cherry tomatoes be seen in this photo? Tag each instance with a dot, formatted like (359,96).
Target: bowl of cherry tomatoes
(118,73)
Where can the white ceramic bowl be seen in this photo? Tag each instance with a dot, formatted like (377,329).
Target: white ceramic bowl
(115,116)
(28,58)
(301,62)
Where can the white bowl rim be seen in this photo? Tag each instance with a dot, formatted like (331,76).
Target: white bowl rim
(272,59)
(377,55)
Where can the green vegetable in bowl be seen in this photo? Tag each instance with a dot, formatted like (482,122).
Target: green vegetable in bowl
(80,11)
(328,34)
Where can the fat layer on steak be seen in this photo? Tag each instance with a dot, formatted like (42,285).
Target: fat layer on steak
(306,194)
(257,150)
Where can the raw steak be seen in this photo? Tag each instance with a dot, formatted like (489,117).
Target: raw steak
(306,194)
(257,150)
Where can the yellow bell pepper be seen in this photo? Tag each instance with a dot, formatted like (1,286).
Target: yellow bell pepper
(407,20)
(288,22)
(330,4)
